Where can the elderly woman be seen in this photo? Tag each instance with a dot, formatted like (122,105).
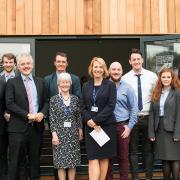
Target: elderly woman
(66,128)
(98,103)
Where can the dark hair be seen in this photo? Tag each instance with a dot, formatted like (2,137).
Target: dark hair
(60,54)
(9,56)
(136,51)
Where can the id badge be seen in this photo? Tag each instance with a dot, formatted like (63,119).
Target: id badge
(94,109)
(67,124)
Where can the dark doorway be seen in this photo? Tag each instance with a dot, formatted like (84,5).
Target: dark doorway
(81,51)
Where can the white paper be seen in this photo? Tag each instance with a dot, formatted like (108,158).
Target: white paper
(100,137)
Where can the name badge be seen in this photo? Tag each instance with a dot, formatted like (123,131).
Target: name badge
(94,109)
(67,124)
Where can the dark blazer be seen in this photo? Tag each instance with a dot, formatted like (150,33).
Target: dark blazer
(2,105)
(52,88)
(17,103)
(105,101)
(171,118)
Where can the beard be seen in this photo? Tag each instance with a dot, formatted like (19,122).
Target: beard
(115,79)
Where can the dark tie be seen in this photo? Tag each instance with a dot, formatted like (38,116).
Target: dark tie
(140,104)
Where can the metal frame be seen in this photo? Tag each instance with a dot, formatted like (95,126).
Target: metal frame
(143,40)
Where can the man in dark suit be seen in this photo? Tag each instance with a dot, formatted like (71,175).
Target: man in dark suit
(27,103)
(9,63)
(61,63)
(3,151)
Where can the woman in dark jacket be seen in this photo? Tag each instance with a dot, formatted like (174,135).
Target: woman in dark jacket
(164,122)
(98,103)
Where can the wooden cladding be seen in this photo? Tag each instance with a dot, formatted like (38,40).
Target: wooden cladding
(64,17)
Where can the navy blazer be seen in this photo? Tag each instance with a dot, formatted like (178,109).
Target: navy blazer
(105,101)
(171,117)
(17,103)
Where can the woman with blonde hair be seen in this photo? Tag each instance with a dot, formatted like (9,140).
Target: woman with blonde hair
(98,103)
(164,122)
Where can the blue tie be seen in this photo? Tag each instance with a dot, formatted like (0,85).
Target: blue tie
(140,105)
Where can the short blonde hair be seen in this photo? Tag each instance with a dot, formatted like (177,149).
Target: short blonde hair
(64,76)
(102,62)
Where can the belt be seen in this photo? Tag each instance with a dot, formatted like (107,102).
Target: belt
(122,122)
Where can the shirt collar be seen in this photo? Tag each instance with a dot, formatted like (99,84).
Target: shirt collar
(11,74)
(142,72)
(29,76)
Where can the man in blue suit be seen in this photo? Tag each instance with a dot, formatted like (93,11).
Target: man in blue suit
(61,63)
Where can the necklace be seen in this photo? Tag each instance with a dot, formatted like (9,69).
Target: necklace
(66,99)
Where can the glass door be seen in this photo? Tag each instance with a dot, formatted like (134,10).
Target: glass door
(161,51)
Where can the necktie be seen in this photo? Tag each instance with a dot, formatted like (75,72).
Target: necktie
(140,104)
(29,95)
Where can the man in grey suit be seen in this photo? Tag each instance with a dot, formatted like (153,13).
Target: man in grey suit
(61,63)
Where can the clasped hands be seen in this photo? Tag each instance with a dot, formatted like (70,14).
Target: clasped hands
(36,117)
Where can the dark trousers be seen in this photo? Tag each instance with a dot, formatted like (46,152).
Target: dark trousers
(122,155)
(140,132)
(29,142)
(3,155)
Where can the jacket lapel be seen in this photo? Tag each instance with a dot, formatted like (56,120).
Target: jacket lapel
(22,86)
(169,96)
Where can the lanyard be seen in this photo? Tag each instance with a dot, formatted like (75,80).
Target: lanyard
(95,92)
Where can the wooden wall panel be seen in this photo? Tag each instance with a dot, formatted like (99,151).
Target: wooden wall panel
(171,17)
(88,16)
(28,17)
(11,17)
(122,16)
(46,17)
(177,15)
(113,16)
(20,16)
(105,17)
(63,17)
(73,17)
(79,16)
(54,16)
(37,16)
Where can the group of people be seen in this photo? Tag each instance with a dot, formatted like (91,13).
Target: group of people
(139,105)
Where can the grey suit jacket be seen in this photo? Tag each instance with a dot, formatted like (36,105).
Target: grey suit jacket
(171,118)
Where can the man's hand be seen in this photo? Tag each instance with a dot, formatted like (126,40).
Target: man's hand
(39,117)
(126,132)
(7,116)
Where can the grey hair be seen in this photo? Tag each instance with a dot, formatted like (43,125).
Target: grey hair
(20,56)
(64,76)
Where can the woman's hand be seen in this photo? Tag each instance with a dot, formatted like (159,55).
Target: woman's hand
(91,123)
(80,134)
(97,128)
(152,139)
(55,139)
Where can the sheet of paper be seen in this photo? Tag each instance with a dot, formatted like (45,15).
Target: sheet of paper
(100,137)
